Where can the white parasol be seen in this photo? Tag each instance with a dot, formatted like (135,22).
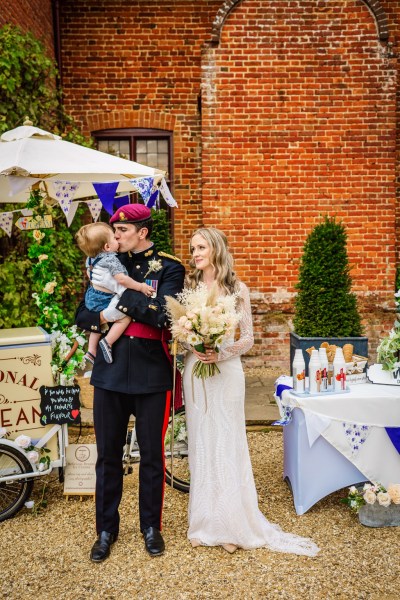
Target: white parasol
(29,155)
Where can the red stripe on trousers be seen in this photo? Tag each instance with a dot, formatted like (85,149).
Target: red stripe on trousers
(164,429)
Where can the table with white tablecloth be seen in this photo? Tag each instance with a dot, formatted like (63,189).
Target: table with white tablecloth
(335,440)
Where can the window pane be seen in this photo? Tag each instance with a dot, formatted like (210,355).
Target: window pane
(141,158)
(163,146)
(113,147)
(124,149)
(152,160)
(103,145)
(151,146)
(141,147)
(163,162)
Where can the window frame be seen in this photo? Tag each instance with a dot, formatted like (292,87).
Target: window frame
(132,134)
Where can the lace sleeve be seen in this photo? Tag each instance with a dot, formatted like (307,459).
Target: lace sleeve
(246,339)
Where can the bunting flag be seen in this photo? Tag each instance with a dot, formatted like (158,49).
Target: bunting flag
(143,186)
(65,193)
(26,212)
(6,222)
(106,193)
(72,212)
(95,208)
(153,198)
(121,201)
(164,189)
(19,184)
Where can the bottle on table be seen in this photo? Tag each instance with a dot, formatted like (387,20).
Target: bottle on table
(324,369)
(339,371)
(314,373)
(299,371)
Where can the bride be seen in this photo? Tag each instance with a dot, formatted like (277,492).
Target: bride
(223,505)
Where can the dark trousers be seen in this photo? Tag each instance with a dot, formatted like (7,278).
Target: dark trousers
(111,413)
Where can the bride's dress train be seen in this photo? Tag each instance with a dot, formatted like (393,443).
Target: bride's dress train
(223,504)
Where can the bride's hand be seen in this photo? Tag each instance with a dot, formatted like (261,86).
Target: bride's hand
(209,356)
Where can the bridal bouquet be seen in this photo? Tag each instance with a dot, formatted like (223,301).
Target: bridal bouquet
(203,319)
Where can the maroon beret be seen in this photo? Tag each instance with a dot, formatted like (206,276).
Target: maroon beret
(131,213)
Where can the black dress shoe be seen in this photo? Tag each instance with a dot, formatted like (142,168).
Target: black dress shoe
(101,547)
(153,541)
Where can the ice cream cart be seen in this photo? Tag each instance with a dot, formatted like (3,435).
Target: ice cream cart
(25,366)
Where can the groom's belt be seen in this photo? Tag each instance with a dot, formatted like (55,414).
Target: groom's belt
(141,330)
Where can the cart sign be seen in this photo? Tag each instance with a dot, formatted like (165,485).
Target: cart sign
(60,404)
(25,365)
(26,223)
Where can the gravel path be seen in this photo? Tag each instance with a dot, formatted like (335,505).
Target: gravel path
(47,556)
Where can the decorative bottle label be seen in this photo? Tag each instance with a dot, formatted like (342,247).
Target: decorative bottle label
(314,372)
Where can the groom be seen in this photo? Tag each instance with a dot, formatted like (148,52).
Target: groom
(138,381)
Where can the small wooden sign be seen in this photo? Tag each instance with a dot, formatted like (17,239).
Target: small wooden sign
(26,223)
(60,404)
(80,475)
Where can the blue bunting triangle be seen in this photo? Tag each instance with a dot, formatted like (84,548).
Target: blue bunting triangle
(106,193)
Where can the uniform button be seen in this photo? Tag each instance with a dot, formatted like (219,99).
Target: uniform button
(124,309)
(131,337)
(120,307)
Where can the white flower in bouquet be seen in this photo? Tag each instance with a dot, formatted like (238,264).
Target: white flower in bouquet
(203,319)
(23,441)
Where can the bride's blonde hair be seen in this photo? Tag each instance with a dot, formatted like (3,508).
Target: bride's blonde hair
(220,258)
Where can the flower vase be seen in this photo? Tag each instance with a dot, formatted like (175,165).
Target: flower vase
(375,515)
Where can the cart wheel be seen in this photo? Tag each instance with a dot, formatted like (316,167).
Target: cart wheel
(15,493)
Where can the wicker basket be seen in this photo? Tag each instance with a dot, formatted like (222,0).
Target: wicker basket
(86,394)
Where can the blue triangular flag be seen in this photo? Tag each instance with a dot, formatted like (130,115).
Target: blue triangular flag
(106,193)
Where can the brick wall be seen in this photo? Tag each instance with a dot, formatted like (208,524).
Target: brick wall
(298,118)
(30,15)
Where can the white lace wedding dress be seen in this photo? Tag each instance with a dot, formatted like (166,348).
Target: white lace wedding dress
(223,505)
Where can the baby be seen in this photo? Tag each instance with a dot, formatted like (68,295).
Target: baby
(97,241)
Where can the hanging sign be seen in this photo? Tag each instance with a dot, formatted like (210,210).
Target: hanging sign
(26,223)
(60,404)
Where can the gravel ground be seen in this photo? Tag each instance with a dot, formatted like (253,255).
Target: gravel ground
(47,556)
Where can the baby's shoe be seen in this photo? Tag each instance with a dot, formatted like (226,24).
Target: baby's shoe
(107,350)
(89,357)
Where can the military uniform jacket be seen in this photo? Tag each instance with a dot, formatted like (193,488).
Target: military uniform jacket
(139,365)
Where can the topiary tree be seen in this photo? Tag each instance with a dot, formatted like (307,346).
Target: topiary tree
(325,306)
(161,233)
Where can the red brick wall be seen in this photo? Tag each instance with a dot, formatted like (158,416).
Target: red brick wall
(298,119)
(138,64)
(30,15)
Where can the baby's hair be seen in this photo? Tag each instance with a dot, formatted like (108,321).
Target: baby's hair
(92,238)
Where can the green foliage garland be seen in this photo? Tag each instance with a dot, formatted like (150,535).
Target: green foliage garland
(325,306)
(65,338)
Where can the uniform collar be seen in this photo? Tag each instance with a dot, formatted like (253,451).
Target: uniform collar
(147,254)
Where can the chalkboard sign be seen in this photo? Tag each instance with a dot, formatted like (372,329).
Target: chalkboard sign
(60,404)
